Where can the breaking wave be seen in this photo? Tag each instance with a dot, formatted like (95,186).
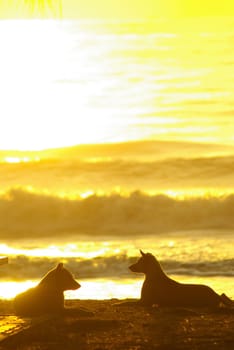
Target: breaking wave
(26,268)
(103,174)
(25,214)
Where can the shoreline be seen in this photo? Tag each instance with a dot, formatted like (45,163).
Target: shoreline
(105,326)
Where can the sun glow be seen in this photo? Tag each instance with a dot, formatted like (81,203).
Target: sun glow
(66,85)
(126,288)
(16,160)
(63,83)
(10,289)
(105,9)
(52,111)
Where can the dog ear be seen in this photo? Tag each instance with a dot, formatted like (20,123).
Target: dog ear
(59,266)
(142,253)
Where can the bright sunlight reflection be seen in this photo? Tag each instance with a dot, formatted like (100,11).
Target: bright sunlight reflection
(107,288)
(9,290)
(21,159)
(120,289)
(81,250)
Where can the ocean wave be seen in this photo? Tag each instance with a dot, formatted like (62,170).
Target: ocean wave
(128,172)
(28,268)
(25,214)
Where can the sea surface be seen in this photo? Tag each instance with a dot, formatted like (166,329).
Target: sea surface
(158,99)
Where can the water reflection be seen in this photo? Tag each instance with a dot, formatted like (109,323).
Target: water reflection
(104,288)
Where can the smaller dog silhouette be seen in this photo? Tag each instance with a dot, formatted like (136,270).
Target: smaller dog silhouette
(160,289)
(47,297)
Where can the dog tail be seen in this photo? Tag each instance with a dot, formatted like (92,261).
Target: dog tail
(226,300)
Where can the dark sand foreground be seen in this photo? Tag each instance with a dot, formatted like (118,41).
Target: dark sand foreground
(124,328)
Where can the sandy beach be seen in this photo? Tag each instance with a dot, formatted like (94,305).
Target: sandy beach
(106,326)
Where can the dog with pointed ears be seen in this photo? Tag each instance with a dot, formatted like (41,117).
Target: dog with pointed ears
(162,290)
(47,297)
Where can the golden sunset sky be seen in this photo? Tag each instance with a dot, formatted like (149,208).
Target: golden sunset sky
(122,8)
(35,58)
(148,8)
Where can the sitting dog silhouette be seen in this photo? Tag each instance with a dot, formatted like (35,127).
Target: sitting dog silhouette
(160,289)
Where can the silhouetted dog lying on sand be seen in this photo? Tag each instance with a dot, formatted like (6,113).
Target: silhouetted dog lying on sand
(47,297)
(159,289)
